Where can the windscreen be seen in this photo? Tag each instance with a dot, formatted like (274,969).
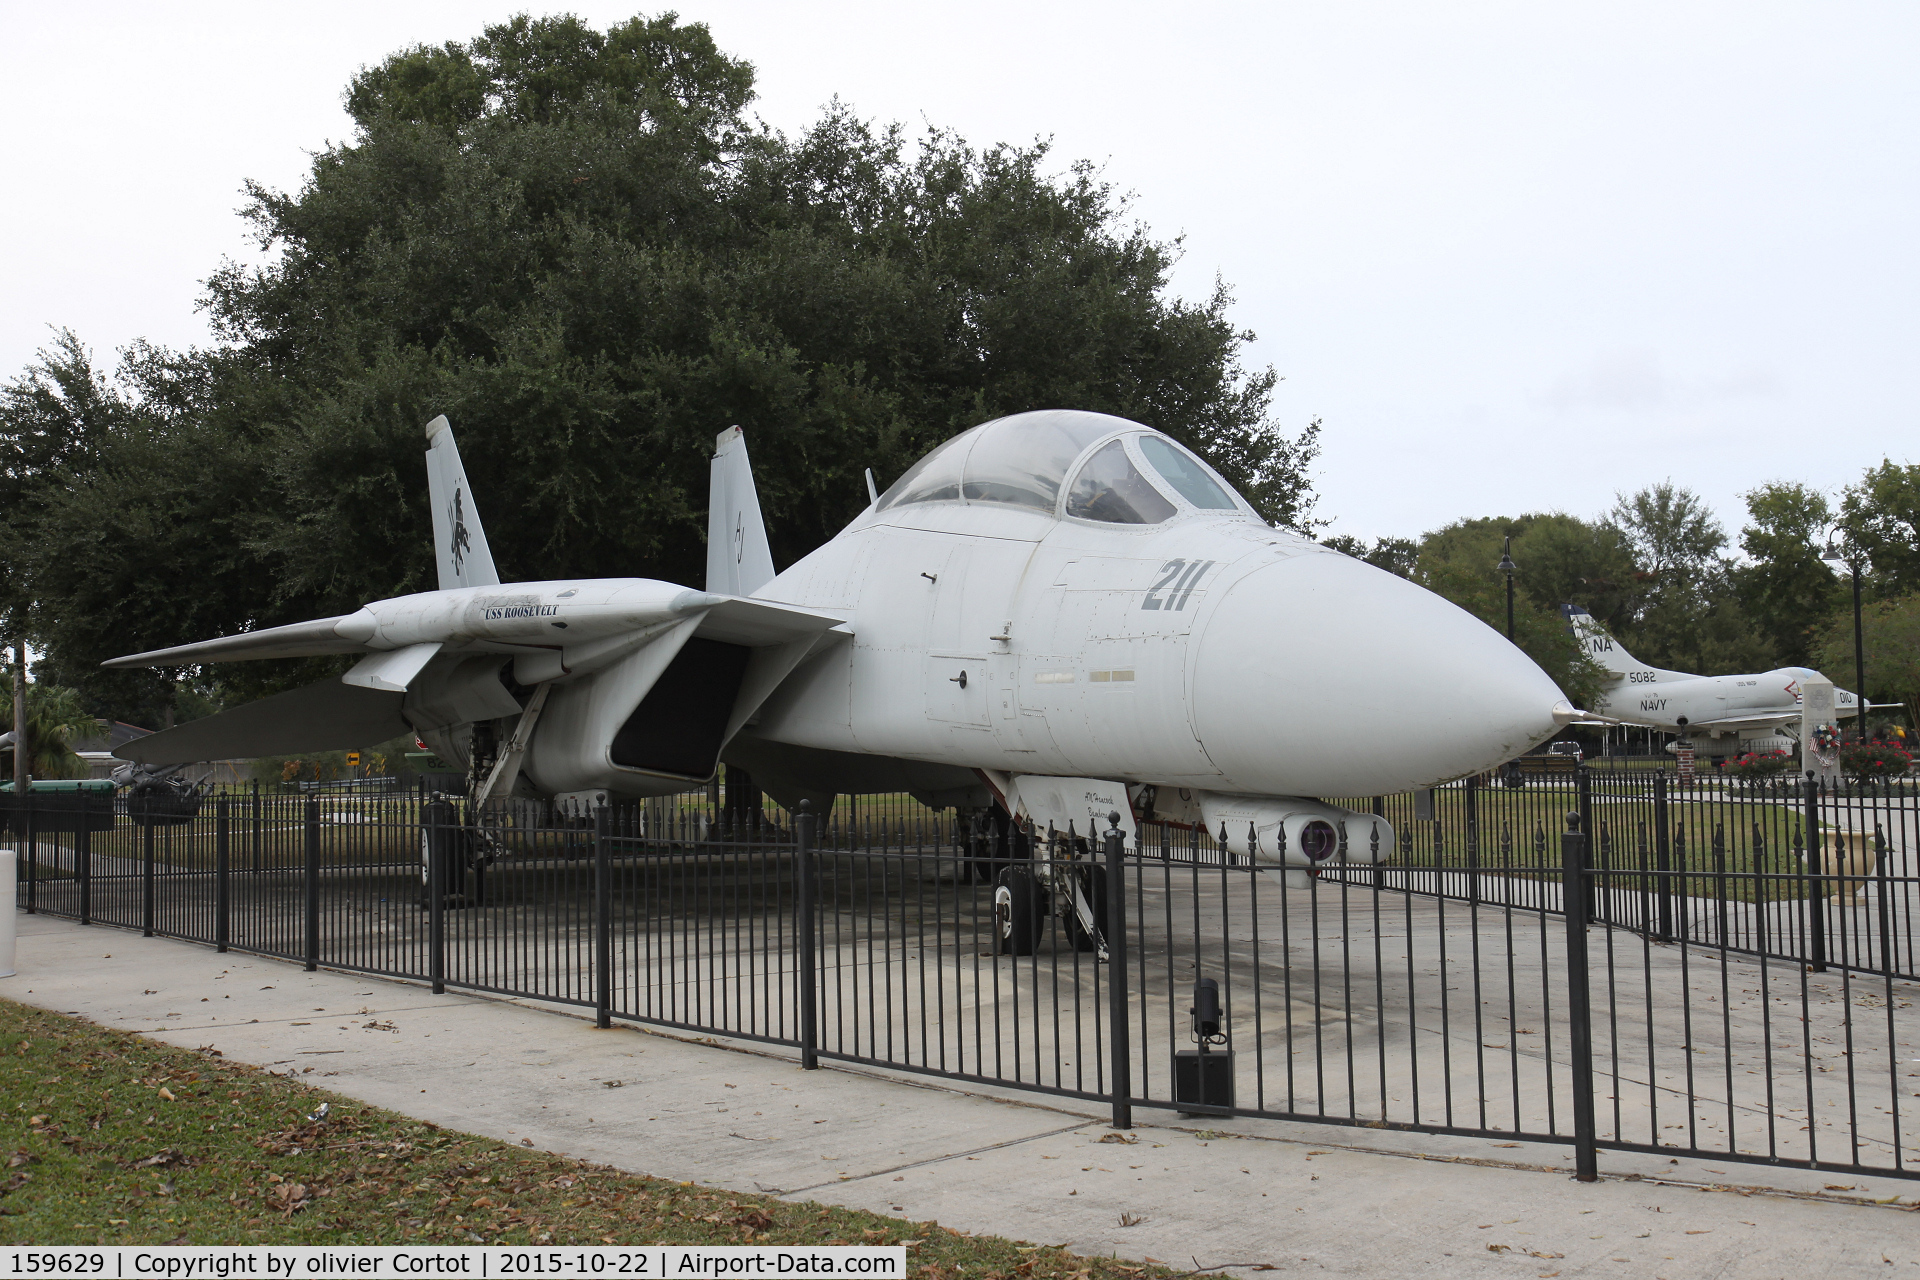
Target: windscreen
(1024,459)
(1187,474)
(1111,489)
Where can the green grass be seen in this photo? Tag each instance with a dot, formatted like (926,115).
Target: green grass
(108,1138)
(390,835)
(1519,834)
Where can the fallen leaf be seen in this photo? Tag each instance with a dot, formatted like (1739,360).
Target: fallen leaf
(166,1094)
(159,1159)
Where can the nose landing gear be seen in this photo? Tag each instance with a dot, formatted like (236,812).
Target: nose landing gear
(1065,885)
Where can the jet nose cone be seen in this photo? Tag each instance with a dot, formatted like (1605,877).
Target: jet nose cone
(1320,675)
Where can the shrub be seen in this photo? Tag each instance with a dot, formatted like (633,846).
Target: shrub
(1875,759)
(1765,764)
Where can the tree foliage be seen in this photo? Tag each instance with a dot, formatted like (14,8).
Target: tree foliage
(56,718)
(1686,616)
(1880,520)
(1890,629)
(1785,588)
(576,245)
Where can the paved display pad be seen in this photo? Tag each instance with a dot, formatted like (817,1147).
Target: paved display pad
(1294,1197)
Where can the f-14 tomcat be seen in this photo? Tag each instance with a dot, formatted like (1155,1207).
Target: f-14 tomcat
(1050,614)
(1760,704)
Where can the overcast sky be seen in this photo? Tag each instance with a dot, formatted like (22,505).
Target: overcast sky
(1514,255)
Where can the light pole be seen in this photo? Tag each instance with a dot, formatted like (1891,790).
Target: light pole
(21,762)
(1844,554)
(1507,567)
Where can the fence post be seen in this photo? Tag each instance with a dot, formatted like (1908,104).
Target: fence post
(1663,858)
(146,871)
(259,827)
(23,815)
(1471,839)
(311,947)
(433,837)
(1573,892)
(222,842)
(1119,1033)
(602,924)
(1816,846)
(1380,864)
(1583,790)
(82,858)
(1720,882)
(809,964)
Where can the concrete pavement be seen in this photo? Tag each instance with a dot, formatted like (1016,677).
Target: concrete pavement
(1232,1196)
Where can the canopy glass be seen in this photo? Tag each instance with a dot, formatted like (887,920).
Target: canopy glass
(1023,460)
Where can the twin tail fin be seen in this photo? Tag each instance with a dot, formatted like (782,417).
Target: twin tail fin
(739,561)
(459,543)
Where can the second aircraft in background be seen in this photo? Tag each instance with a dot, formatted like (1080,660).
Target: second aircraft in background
(1724,714)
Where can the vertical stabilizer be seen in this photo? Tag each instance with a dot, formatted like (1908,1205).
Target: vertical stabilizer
(459,543)
(739,562)
(1601,647)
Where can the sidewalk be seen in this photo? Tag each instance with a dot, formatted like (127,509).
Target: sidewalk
(1300,1198)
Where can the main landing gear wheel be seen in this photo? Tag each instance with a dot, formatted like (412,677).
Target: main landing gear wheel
(441,840)
(1019,912)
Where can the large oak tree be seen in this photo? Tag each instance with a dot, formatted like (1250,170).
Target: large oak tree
(579,246)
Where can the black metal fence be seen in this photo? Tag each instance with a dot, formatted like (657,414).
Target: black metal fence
(1670,971)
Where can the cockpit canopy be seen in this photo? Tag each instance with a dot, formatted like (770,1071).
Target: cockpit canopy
(1127,473)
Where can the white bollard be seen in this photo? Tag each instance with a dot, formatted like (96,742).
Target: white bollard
(9,895)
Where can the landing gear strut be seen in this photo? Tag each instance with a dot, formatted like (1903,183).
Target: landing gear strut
(1064,884)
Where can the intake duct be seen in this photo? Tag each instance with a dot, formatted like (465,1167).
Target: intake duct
(678,726)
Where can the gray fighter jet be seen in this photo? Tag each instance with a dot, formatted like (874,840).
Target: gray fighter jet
(1056,614)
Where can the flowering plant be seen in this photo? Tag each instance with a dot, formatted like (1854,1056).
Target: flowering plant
(1875,760)
(1764,764)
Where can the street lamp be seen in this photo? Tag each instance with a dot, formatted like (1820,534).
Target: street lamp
(1835,551)
(1507,567)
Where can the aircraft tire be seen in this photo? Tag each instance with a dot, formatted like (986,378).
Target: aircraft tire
(1092,883)
(1019,912)
(440,839)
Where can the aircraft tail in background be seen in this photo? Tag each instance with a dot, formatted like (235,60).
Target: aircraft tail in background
(739,562)
(1600,646)
(459,543)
